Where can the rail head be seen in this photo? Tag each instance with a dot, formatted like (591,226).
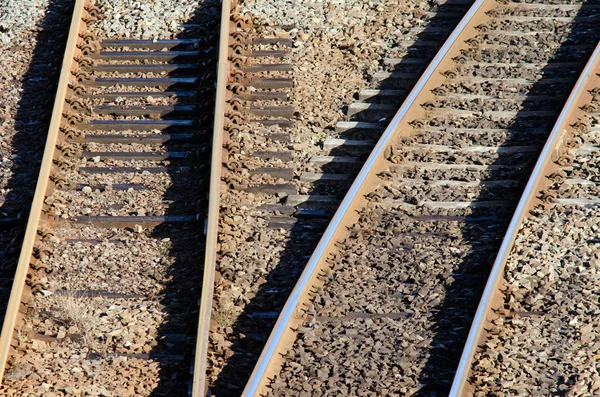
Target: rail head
(11,317)
(199,384)
(544,166)
(282,335)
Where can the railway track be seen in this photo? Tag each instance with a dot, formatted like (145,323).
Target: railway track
(106,297)
(407,254)
(347,146)
(106,291)
(535,328)
(280,194)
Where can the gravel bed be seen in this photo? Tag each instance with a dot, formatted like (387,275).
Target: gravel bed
(545,340)
(337,46)
(501,89)
(493,104)
(127,258)
(410,193)
(142,101)
(134,19)
(487,121)
(459,157)
(99,162)
(32,39)
(396,287)
(507,72)
(114,203)
(150,180)
(149,268)
(403,278)
(548,340)
(90,373)
(461,138)
(122,88)
(468,174)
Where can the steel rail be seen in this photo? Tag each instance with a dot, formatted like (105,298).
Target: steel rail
(15,302)
(545,165)
(281,337)
(199,385)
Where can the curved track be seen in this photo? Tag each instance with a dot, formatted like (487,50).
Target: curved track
(281,187)
(109,273)
(535,328)
(407,254)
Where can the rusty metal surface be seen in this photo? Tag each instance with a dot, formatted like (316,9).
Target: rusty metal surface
(18,293)
(283,335)
(538,181)
(199,384)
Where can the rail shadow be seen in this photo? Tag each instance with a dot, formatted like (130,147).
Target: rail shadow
(187,195)
(27,145)
(454,315)
(254,325)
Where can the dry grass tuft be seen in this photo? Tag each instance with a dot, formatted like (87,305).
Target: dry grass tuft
(225,314)
(75,311)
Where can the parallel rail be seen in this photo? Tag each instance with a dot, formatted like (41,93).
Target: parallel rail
(421,111)
(293,313)
(25,284)
(20,292)
(546,165)
(200,386)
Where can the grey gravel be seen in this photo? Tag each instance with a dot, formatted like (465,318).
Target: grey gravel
(546,340)
(396,308)
(144,19)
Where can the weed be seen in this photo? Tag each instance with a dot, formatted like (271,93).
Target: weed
(23,337)
(74,311)
(225,314)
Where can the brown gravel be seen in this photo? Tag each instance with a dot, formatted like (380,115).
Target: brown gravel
(394,314)
(32,40)
(546,341)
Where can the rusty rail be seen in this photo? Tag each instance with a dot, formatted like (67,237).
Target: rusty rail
(546,165)
(21,292)
(293,313)
(199,386)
